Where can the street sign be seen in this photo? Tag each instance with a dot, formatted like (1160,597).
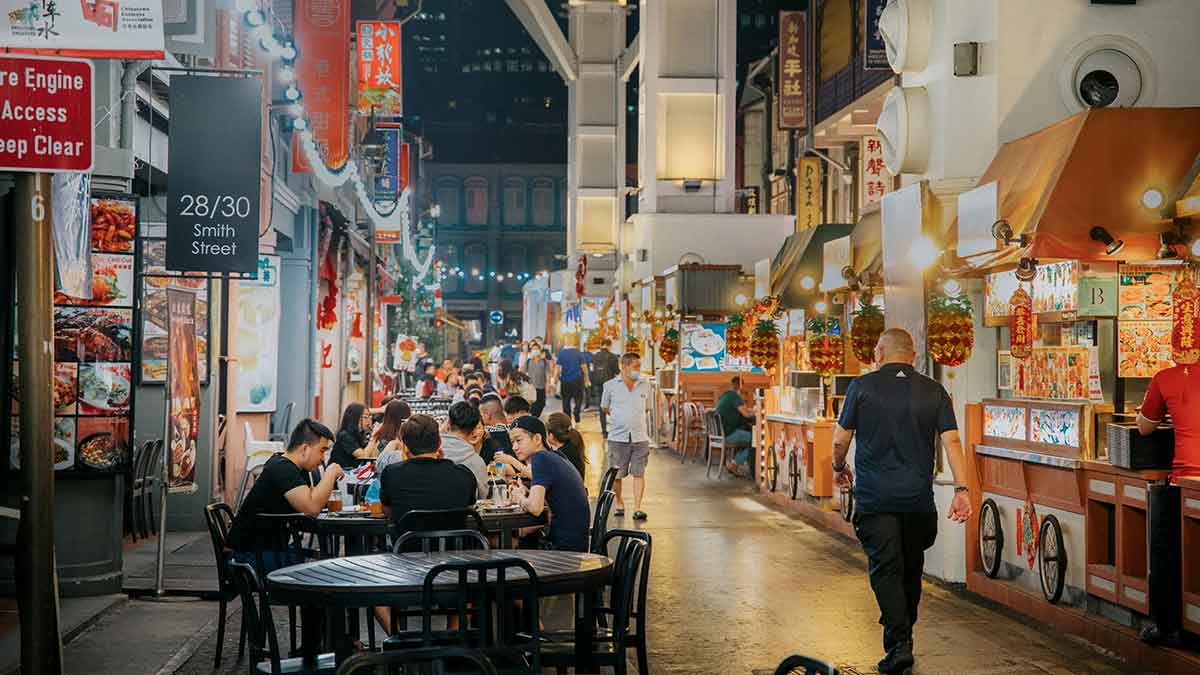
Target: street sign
(45,114)
(215,167)
(103,29)
(496,317)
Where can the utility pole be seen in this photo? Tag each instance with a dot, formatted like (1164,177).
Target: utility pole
(37,587)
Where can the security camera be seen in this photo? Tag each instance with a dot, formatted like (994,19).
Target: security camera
(1108,78)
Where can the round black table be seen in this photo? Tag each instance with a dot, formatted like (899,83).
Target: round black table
(398,580)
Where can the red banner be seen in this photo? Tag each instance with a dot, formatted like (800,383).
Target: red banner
(323,40)
(792,109)
(379,68)
(1020,324)
(1185,323)
(47,114)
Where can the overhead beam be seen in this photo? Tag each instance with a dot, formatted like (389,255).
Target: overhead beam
(630,59)
(535,16)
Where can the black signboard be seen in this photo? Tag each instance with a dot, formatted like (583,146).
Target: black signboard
(213,174)
(874,49)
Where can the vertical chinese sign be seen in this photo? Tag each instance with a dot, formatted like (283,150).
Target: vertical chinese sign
(792,112)
(183,385)
(808,193)
(379,68)
(874,180)
(322,72)
(874,49)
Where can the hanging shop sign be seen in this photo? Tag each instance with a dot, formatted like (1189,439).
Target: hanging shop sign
(213,211)
(1020,327)
(45,114)
(379,68)
(183,385)
(257,337)
(874,49)
(1185,324)
(393,179)
(103,29)
(874,180)
(808,194)
(1098,290)
(322,34)
(792,106)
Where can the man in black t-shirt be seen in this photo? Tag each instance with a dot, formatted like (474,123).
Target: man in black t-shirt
(283,487)
(426,480)
(495,425)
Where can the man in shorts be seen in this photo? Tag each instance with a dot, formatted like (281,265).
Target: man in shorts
(626,402)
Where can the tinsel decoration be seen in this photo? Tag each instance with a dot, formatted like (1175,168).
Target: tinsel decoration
(868,326)
(951,329)
(825,344)
(737,338)
(668,349)
(764,345)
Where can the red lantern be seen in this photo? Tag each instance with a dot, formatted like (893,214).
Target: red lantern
(1020,324)
(1185,323)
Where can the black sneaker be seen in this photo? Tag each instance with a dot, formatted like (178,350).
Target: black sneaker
(1155,636)
(639,515)
(899,658)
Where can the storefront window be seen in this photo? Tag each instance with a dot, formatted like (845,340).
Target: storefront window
(514,202)
(543,202)
(476,193)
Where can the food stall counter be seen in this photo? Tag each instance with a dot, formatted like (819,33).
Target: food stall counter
(1190,539)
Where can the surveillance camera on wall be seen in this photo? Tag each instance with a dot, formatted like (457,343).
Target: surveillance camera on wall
(1108,71)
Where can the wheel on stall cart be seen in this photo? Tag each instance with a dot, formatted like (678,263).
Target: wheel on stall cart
(991,538)
(794,473)
(1052,559)
(772,469)
(847,504)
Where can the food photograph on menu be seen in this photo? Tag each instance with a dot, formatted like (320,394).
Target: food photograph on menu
(102,442)
(154,313)
(114,224)
(1144,292)
(1143,348)
(104,388)
(93,334)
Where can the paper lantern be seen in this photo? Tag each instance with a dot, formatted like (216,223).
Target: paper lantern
(1185,322)
(1020,324)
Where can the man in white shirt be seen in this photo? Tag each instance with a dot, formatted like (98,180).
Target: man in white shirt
(626,402)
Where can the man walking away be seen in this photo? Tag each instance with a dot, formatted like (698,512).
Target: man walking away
(605,367)
(626,399)
(897,413)
(536,366)
(572,376)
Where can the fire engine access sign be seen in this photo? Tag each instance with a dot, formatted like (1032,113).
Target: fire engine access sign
(45,114)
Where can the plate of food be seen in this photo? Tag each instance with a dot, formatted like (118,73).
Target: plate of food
(686,361)
(706,363)
(708,343)
(103,388)
(100,450)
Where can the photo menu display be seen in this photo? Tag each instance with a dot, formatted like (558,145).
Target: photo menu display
(155,281)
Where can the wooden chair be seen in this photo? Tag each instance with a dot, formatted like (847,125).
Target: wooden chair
(691,428)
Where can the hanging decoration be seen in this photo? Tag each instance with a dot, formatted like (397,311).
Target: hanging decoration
(737,340)
(825,344)
(868,326)
(764,345)
(668,349)
(1185,320)
(633,344)
(951,329)
(1020,324)
(594,340)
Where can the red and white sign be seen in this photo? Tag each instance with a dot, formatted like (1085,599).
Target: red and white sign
(102,29)
(876,180)
(45,114)
(322,35)
(379,68)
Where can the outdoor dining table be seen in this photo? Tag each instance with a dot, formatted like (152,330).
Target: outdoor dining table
(390,579)
(353,528)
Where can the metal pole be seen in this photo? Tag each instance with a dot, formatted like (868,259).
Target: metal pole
(38,590)
(161,558)
(369,357)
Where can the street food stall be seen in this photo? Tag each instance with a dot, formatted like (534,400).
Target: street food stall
(1083,261)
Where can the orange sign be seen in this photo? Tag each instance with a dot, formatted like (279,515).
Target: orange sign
(379,68)
(322,34)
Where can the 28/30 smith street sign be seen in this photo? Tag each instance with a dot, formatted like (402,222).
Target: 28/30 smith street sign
(45,114)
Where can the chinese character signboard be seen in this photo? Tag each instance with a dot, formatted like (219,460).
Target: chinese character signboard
(1020,326)
(792,113)
(874,50)
(379,68)
(47,114)
(392,180)
(102,29)
(874,180)
(322,37)
(808,193)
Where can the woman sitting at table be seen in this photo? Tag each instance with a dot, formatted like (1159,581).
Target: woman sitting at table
(350,447)
(283,488)
(386,442)
(556,485)
(564,439)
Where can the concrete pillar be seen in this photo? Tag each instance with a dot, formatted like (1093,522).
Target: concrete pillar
(596,141)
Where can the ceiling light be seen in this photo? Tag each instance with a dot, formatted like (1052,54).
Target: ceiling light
(1152,198)
(1166,249)
(923,252)
(740,299)
(1026,269)
(808,283)
(1002,230)
(1111,246)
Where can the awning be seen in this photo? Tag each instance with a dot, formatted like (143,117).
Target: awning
(866,242)
(1091,170)
(800,256)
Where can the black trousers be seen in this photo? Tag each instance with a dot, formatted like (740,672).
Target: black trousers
(1165,566)
(540,404)
(895,545)
(572,392)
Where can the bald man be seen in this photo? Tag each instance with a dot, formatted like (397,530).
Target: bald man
(897,414)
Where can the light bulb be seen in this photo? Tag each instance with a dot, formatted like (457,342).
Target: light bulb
(1152,198)
(740,300)
(923,252)
(822,306)
(255,18)
(292,93)
(808,283)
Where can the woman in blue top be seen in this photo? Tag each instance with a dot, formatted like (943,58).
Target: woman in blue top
(555,485)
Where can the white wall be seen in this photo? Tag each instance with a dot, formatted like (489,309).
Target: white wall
(721,239)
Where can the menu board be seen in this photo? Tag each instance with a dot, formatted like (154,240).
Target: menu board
(93,350)
(1003,421)
(1054,427)
(155,282)
(1055,289)
(1144,292)
(1143,348)
(1145,312)
(1059,373)
(702,349)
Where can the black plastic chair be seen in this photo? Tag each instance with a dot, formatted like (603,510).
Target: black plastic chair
(803,665)
(427,542)
(150,476)
(611,651)
(437,521)
(134,494)
(436,659)
(604,505)
(283,535)
(220,518)
(260,629)
(608,479)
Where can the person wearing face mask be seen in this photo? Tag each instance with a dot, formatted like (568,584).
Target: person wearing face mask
(462,437)
(536,366)
(626,402)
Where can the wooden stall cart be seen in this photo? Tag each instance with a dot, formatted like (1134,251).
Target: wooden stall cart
(1190,488)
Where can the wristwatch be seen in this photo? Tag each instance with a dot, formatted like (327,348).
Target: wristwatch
(960,488)
(838,468)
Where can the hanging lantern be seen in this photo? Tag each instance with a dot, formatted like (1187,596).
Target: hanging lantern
(951,329)
(1185,321)
(668,349)
(764,346)
(1020,324)
(737,338)
(633,344)
(868,326)
(825,345)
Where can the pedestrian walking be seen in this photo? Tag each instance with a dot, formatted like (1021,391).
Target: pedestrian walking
(537,367)
(626,401)
(605,367)
(572,375)
(897,413)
